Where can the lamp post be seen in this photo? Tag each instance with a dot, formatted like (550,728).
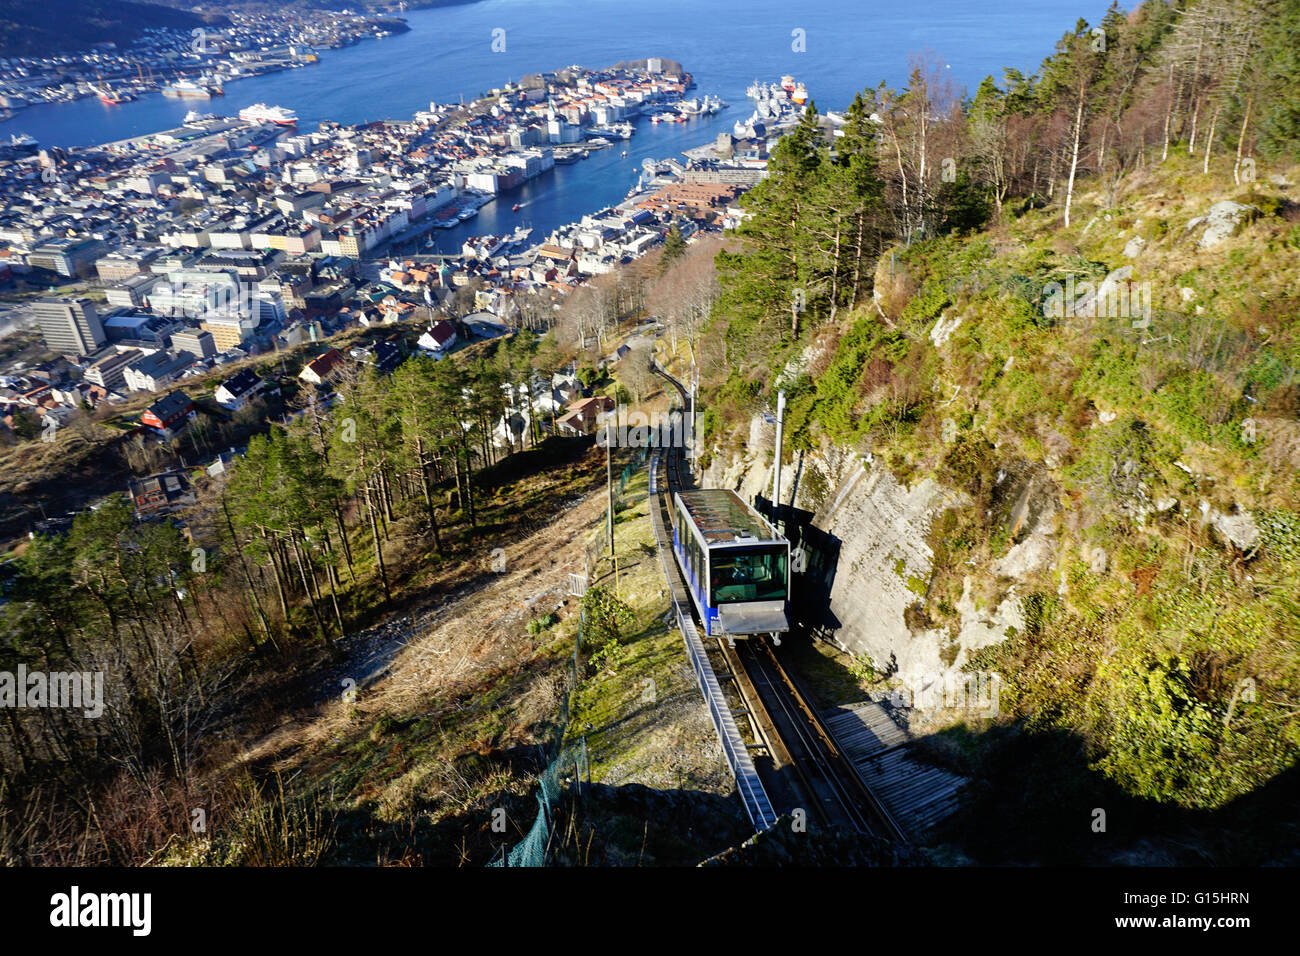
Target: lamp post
(695,385)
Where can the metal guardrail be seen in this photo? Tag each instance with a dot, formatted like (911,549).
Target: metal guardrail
(752,795)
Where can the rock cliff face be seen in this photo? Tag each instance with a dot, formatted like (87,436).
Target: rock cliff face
(883,562)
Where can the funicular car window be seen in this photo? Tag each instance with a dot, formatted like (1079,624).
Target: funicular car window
(748,574)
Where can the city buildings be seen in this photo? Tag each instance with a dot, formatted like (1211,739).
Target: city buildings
(70,326)
(229,237)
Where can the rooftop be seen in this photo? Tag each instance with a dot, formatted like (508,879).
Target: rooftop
(723,518)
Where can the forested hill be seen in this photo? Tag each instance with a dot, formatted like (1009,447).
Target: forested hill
(1074,288)
(29,28)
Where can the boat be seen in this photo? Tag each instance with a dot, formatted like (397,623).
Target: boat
(788,84)
(712,105)
(799,94)
(188,89)
(483,247)
(516,207)
(656,118)
(23,143)
(625,154)
(109,96)
(261,113)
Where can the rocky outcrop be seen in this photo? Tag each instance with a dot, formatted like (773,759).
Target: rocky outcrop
(943,329)
(1223,221)
(1028,557)
(883,562)
(1238,528)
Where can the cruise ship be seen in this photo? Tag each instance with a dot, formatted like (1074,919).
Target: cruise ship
(611,132)
(261,113)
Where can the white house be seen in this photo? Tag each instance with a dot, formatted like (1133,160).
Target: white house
(439,339)
(235,392)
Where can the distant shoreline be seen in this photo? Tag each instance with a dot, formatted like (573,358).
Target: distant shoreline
(22,21)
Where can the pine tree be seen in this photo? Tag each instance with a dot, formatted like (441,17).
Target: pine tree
(674,248)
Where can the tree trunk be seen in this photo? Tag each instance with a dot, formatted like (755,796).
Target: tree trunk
(279,584)
(1241,142)
(428,492)
(1209,141)
(347,545)
(1074,157)
(379,550)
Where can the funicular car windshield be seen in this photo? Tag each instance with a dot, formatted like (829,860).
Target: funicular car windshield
(748,574)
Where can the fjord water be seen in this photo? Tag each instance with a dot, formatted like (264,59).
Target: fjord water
(726,44)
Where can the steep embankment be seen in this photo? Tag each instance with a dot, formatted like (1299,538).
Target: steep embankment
(1088,489)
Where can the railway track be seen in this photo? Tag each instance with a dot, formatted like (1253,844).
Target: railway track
(806,769)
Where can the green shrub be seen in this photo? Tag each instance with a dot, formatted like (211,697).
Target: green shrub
(544,623)
(605,616)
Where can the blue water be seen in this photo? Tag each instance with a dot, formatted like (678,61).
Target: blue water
(725,43)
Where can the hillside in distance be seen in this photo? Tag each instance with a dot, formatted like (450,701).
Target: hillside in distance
(36,29)
(272,6)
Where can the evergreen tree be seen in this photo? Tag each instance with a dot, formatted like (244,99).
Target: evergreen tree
(674,248)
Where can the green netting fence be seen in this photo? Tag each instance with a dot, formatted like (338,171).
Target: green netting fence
(532,849)
(599,546)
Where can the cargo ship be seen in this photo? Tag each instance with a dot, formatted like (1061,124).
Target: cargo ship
(261,113)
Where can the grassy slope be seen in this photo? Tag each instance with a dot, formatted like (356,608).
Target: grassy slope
(662,794)
(410,771)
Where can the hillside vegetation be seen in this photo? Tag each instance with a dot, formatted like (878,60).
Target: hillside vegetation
(38,29)
(1036,298)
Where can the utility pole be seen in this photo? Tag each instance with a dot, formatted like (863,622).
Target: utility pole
(776,464)
(609,479)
